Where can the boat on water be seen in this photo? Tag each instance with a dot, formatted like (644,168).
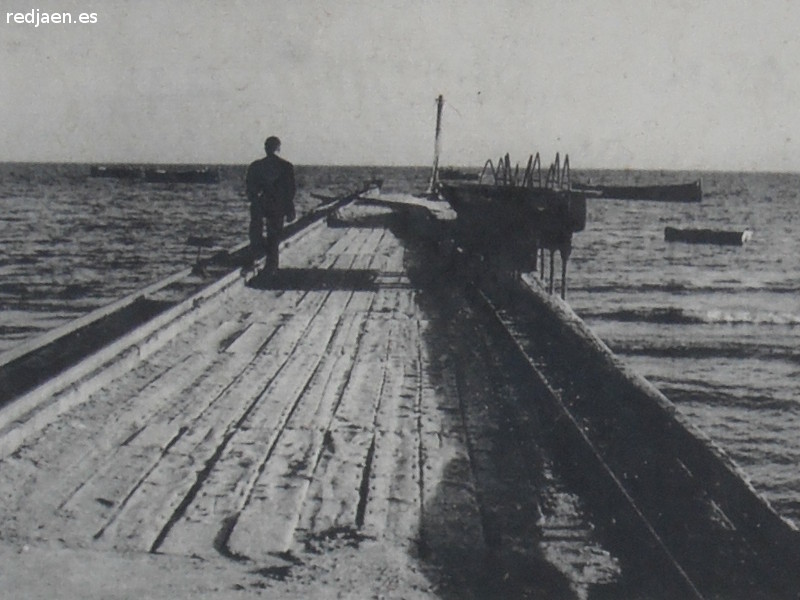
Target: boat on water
(511,225)
(454,174)
(115,171)
(156,174)
(204,175)
(677,192)
(719,237)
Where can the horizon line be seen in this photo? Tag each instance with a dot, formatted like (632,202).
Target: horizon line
(388,166)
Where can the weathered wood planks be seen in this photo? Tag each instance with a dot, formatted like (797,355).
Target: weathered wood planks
(281,417)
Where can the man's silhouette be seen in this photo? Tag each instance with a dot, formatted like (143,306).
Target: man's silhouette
(270,189)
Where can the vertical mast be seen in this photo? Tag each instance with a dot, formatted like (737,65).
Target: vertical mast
(437,146)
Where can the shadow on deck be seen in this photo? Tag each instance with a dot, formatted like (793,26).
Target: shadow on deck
(499,524)
(317,279)
(526,460)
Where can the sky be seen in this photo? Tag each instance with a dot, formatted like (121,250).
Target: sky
(707,85)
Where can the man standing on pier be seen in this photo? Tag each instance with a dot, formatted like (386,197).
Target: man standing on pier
(270,189)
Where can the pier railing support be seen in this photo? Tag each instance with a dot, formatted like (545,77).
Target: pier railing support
(565,251)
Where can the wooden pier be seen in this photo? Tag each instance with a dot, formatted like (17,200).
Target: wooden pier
(356,426)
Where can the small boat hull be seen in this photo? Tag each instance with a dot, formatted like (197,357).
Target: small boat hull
(451,174)
(708,236)
(508,225)
(184,176)
(115,172)
(506,208)
(681,192)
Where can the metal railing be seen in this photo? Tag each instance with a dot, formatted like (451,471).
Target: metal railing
(557,178)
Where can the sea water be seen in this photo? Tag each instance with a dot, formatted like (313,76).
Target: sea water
(713,327)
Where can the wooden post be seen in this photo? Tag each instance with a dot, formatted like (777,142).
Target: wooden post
(434,183)
(541,269)
(565,249)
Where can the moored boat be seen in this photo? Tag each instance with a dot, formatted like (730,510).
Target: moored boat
(708,236)
(482,203)
(115,171)
(515,222)
(679,192)
(204,175)
(514,215)
(453,174)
